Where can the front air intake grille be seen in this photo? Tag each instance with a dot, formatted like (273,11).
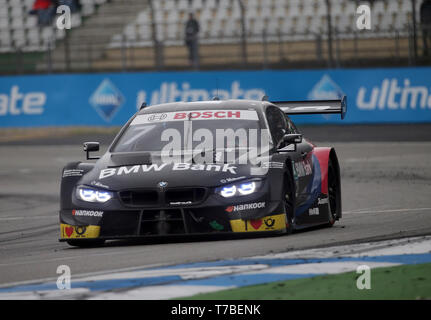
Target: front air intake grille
(139,197)
(162,198)
(119,223)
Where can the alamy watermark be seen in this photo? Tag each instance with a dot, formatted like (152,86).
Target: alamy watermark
(364,280)
(63,281)
(363,21)
(64,21)
(242,146)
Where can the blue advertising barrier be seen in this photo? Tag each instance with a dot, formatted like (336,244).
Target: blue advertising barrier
(395,95)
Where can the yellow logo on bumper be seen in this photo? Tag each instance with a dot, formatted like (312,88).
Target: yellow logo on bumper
(79,232)
(270,223)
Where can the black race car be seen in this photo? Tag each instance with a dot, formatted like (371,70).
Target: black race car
(233,166)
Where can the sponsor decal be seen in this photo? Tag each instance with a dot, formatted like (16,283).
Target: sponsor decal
(80,231)
(195,115)
(270,223)
(303,168)
(307,167)
(392,95)
(180,203)
(98,184)
(256,224)
(226,180)
(77,232)
(16,102)
(273,165)
(126,170)
(247,206)
(107,100)
(325,89)
(323,201)
(69,231)
(216,226)
(87,213)
(73,173)
(313,211)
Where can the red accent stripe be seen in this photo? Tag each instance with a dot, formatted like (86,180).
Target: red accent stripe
(322,155)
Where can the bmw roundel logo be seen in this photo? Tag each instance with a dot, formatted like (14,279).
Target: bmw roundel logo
(162,184)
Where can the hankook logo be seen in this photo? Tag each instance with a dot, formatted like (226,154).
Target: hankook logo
(247,206)
(87,213)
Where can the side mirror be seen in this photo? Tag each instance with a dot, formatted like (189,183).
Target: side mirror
(91,147)
(292,138)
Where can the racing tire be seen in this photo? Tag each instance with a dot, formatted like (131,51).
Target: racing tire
(334,194)
(289,200)
(86,243)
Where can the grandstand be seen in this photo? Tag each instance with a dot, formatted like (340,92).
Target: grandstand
(298,19)
(19,29)
(122,34)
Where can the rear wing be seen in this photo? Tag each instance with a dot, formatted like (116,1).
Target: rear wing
(313,106)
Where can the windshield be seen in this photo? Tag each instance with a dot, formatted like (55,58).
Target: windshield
(185,130)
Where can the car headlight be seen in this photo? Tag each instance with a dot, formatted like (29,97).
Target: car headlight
(93,195)
(238,189)
(247,188)
(228,191)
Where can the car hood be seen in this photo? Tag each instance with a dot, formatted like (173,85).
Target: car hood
(141,172)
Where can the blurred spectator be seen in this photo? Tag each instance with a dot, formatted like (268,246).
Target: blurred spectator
(192,30)
(425,13)
(41,5)
(45,11)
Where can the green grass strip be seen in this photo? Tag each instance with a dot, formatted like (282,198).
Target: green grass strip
(400,282)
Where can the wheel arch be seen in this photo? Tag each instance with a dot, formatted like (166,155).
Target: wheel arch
(334,160)
(290,172)
(324,156)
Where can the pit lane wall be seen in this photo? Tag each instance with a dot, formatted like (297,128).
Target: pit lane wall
(394,95)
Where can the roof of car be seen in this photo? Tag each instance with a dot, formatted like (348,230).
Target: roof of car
(205,105)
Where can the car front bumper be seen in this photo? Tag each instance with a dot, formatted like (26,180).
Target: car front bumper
(96,224)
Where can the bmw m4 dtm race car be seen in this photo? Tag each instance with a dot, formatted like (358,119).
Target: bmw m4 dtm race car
(183,168)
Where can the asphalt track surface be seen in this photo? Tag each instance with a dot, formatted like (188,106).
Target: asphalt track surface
(386,191)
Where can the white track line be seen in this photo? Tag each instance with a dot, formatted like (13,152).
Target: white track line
(386,211)
(27,218)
